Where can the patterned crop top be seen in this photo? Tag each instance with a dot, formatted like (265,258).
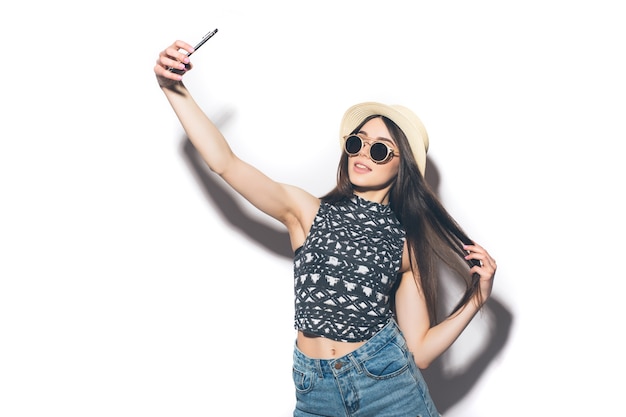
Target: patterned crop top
(346,269)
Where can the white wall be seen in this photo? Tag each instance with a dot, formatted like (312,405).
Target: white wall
(132,283)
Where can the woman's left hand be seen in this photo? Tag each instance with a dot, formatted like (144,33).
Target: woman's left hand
(486,270)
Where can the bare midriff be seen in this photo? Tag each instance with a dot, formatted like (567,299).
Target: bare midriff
(322,348)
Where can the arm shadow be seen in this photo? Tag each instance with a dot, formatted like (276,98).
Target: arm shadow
(222,198)
(449,389)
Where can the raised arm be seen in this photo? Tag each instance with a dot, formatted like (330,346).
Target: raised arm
(290,205)
(428,343)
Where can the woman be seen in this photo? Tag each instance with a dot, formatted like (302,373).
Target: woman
(366,257)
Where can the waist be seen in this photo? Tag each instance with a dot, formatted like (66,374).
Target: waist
(324,348)
(347,353)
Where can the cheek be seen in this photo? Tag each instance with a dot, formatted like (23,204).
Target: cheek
(391,169)
(387,174)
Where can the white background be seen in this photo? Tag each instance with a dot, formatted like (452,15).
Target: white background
(132,283)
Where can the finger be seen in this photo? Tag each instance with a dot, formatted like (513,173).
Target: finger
(171,59)
(482,260)
(178,51)
(475,247)
(474,252)
(182,47)
(484,271)
(177,55)
(160,71)
(170,65)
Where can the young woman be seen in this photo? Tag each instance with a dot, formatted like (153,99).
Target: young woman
(366,257)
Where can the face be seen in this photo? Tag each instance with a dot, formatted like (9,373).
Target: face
(372,180)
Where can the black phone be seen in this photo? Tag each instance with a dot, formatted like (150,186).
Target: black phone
(204,39)
(195,48)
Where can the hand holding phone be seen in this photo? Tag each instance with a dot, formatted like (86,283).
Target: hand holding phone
(195,48)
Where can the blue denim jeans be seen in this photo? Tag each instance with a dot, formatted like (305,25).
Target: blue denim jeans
(379,379)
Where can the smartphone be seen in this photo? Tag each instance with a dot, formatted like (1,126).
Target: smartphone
(195,48)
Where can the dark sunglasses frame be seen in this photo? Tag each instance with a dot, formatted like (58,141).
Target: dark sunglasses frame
(377,148)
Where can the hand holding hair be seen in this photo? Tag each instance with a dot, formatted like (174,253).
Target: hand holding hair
(485,266)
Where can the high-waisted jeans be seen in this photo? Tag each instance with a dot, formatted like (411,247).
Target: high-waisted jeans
(379,379)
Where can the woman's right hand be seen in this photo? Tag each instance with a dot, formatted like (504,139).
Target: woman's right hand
(175,57)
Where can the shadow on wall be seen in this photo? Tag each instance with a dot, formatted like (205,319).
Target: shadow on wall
(447,390)
(221,195)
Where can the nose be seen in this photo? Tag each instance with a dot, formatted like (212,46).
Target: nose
(362,150)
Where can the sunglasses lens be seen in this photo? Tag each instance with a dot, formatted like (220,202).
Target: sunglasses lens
(353,145)
(378,151)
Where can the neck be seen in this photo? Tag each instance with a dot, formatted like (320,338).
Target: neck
(377,196)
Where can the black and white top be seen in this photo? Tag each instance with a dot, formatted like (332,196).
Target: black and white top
(346,269)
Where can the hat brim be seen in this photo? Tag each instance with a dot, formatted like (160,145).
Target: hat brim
(406,120)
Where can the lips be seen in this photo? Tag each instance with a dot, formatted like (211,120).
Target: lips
(361,168)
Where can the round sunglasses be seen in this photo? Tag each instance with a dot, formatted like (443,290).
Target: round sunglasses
(379,153)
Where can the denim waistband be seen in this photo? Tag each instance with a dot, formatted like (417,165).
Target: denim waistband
(353,359)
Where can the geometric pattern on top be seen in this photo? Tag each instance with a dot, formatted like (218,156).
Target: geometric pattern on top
(346,269)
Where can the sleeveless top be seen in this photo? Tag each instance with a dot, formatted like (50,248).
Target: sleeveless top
(346,270)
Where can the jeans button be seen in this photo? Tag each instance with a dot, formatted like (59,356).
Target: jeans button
(338,365)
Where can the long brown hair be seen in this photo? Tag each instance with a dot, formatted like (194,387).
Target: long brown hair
(432,234)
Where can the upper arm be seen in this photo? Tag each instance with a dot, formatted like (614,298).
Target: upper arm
(290,205)
(412,315)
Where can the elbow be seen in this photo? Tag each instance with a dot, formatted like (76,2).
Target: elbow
(422,363)
(421,359)
(216,169)
(221,167)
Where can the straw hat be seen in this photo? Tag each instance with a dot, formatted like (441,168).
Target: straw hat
(406,120)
